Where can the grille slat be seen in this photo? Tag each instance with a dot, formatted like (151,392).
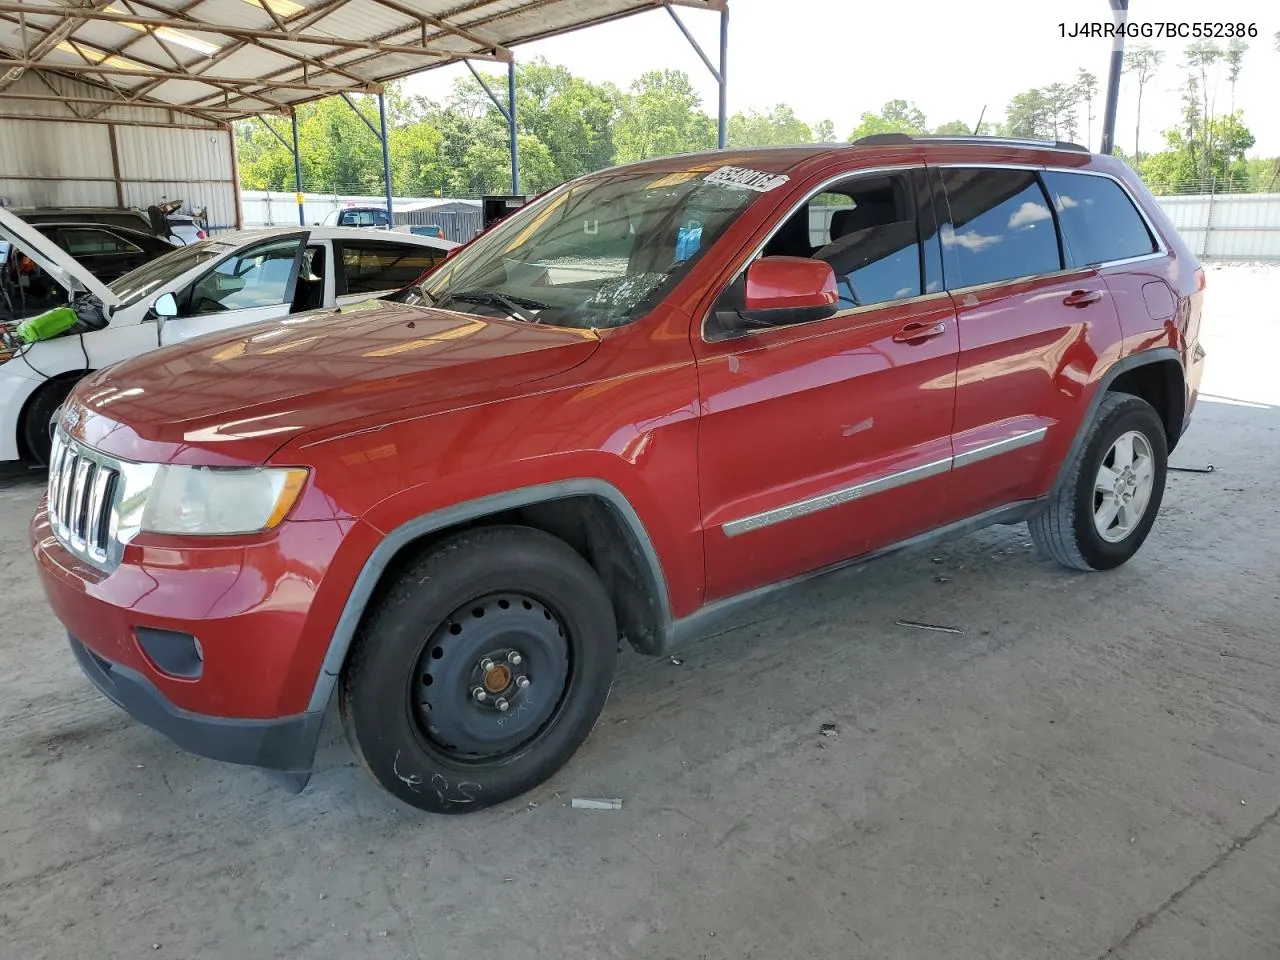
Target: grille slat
(82,493)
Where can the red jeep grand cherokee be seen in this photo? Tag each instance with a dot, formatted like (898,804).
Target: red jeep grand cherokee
(657,394)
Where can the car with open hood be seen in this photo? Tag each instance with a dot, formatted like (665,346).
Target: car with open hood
(212,285)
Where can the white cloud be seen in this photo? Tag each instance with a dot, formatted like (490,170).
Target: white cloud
(1029,214)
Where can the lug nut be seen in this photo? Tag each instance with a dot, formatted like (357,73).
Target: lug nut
(486,664)
(522,682)
(479,694)
(501,704)
(514,658)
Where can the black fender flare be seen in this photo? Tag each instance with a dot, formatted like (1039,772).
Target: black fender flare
(391,544)
(1131,362)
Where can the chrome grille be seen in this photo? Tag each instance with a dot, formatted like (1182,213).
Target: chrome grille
(83,487)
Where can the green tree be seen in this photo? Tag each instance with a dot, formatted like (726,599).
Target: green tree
(824,131)
(662,115)
(1086,90)
(1030,114)
(1142,63)
(896,116)
(1234,58)
(1186,162)
(1061,100)
(779,127)
(952,128)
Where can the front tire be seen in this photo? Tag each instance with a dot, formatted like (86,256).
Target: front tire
(1103,510)
(481,671)
(37,419)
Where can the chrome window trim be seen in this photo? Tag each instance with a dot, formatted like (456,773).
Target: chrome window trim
(791,212)
(836,498)
(1162,249)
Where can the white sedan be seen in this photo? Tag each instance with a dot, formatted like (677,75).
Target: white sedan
(226,281)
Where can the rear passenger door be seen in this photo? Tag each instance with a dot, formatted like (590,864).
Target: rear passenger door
(1032,331)
(370,268)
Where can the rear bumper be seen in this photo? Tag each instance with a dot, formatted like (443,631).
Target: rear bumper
(286,744)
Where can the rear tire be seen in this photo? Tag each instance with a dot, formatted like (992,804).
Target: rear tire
(1103,509)
(508,612)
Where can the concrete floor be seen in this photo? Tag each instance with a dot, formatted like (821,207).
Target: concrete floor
(1091,769)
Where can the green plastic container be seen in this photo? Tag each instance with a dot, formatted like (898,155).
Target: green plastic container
(47,325)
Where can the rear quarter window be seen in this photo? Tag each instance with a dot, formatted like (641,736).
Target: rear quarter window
(378,267)
(1098,219)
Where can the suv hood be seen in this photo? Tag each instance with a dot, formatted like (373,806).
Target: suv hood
(65,269)
(237,398)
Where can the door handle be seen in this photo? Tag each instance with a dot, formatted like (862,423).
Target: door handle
(919,332)
(1081,298)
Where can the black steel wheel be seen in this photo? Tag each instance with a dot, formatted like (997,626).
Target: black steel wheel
(490,677)
(481,671)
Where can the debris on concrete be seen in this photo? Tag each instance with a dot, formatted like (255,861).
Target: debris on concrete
(829,730)
(1208,468)
(588,803)
(942,579)
(677,660)
(937,559)
(929,626)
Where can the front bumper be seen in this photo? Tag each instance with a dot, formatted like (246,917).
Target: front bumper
(255,637)
(286,744)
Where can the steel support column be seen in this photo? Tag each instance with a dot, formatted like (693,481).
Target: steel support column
(723,76)
(297,169)
(511,126)
(1119,14)
(386,156)
(720,74)
(508,111)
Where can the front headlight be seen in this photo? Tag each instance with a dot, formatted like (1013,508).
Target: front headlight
(212,500)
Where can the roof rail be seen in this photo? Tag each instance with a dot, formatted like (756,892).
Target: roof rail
(885,139)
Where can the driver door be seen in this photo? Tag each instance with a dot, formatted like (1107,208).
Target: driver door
(253,284)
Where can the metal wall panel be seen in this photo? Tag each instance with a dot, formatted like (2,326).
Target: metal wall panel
(50,157)
(1229,226)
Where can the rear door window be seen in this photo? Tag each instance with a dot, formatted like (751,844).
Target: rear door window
(1000,228)
(379,267)
(82,243)
(1099,221)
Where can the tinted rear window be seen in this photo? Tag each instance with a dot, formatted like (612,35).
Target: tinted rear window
(1099,221)
(1001,227)
(377,267)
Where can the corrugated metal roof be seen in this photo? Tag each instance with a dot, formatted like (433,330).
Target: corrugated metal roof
(224,59)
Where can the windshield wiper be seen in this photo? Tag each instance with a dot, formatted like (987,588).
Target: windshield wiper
(517,308)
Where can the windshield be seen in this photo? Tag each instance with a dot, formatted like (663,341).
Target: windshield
(137,284)
(600,252)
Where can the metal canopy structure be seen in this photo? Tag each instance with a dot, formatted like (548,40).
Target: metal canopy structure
(223,60)
(215,61)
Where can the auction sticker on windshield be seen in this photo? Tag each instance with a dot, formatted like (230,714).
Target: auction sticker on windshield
(747,178)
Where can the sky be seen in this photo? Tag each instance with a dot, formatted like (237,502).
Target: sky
(835,59)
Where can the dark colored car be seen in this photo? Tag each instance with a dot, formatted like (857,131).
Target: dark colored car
(655,396)
(370,217)
(106,251)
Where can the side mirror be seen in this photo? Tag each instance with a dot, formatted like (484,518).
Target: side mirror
(166,306)
(777,292)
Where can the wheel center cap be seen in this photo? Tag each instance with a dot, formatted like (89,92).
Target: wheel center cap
(498,678)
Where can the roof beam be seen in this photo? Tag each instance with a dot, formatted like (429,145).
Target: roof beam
(99,102)
(52,37)
(233,84)
(500,53)
(192,25)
